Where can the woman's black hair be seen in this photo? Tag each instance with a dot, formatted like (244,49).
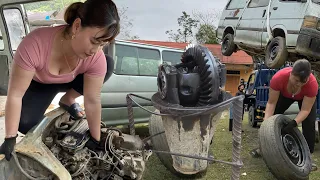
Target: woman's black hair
(95,13)
(302,69)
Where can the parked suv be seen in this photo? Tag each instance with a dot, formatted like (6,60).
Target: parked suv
(275,32)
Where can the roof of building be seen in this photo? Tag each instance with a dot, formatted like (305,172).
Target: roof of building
(239,57)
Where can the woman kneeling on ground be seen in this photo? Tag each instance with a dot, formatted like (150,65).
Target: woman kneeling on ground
(66,58)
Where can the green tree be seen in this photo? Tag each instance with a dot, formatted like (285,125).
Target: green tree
(206,33)
(126,25)
(185,32)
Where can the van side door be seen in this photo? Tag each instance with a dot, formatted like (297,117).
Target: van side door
(230,16)
(136,70)
(14,27)
(287,16)
(171,57)
(250,27)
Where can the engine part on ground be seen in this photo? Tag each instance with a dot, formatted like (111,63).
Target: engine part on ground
(124,155)
(287,155)
(129,142)
(196,81)
(41,155)
(76,139)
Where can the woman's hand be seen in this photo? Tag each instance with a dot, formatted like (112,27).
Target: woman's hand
(92,103)
(7,147)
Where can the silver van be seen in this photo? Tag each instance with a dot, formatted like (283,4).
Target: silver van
(135,71)
(274,31)
(135,66)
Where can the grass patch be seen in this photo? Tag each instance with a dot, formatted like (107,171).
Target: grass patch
(253,169)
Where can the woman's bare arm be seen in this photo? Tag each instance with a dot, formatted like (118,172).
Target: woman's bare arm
(18,84)
(272,102)
(306,107)
(92,103)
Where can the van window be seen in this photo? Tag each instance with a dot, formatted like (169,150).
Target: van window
(250,84)
(237,4)
(127,60)
(136,61)
(149,60)
(259,3)
(15,26)
(171,57)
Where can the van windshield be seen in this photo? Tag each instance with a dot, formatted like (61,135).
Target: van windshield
(16,28)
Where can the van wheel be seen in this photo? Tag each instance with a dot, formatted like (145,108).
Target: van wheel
(276,53)
(252,119)
(228,46)
(287,155)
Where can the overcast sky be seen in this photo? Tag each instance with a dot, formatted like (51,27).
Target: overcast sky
(152,18)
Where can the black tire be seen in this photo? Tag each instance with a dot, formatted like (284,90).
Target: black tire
(276,53)
(273,150)
(252,119)
(228,46)
(159,143)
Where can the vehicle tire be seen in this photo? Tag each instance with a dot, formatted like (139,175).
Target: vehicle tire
(275,146)
(276,53)
(228,46)
(252,119)
(159,143)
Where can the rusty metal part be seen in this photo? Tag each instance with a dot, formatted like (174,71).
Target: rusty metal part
(130,115)
(185,113)
(236,135)
(31,148)
(238,164)
(130,101)
(131,142)
(208,69)
(14,155)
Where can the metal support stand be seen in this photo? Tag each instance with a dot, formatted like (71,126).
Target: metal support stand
(178,111)
(237,106)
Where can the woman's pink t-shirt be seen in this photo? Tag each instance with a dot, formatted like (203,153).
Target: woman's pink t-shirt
(34,51)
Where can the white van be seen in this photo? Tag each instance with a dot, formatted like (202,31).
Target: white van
(135,71)
(276,30)
(135,66)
